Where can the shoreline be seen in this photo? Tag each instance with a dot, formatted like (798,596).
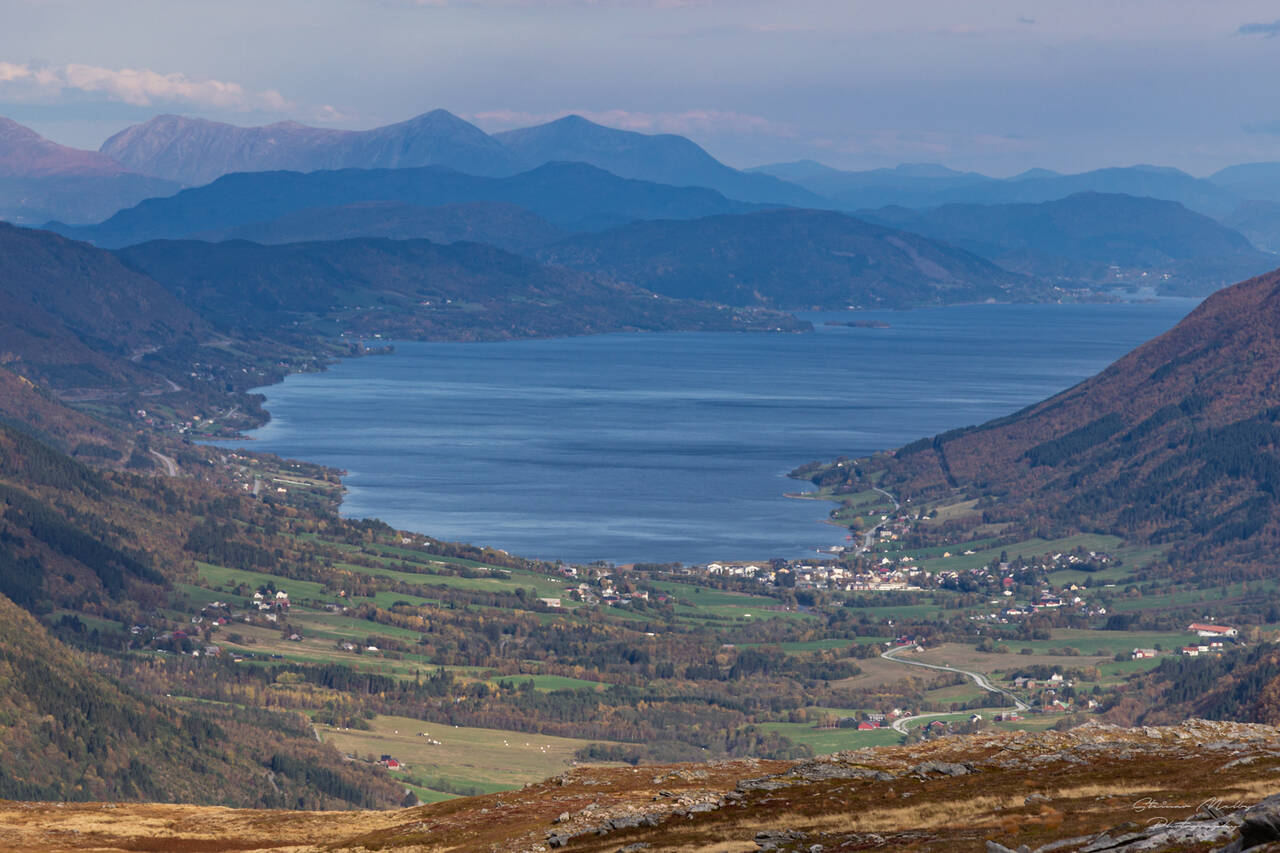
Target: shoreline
(243,438)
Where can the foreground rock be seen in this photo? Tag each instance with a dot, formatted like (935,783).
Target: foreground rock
(1097,789)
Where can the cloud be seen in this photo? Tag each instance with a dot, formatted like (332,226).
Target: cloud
(686,123)
(139,87)
(1270,30)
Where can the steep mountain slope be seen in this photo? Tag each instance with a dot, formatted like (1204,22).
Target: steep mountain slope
(73,734)
(25,153)
(73,315)
(1093,238)
(73,537)
(661,158)
(42,180)
(505,226)
(1177,444)
(573,196)
(410,288)
(1241,684)
(931,186)
(195,151)
(789,258)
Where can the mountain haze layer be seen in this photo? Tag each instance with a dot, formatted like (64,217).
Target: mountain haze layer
(662,158)
(572,196)
(927,185)
(1094,238)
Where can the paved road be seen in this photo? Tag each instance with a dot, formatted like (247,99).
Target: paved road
(169,463)
(870,534)
(900,725)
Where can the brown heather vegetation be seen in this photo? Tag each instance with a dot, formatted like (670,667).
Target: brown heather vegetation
(952,794)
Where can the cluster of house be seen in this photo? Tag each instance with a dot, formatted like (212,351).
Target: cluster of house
(180,635)
(903,572)
(266,601)
(604,594)
(872,721)
(1055,681)
(890,576)
(1215,635)
(1044,601)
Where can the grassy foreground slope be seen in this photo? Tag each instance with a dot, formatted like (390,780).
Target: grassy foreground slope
(1097,788)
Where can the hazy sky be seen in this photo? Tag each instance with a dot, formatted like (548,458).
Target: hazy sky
(996,86)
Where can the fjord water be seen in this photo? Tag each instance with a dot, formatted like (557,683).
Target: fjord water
(673,446)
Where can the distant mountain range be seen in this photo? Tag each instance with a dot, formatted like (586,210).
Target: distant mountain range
(26,154)
(194,151)
(791,259)
(41,180)
(927,185)
(572,196)
(441,178)
(662,158)
(1093,238)
(1252,181)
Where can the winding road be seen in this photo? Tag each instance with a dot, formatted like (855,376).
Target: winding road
(169,463)
(900,725)
(871,534)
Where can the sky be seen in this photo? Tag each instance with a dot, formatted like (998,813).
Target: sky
(996,86)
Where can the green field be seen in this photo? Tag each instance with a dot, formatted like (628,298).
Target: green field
(552,682)
(1027,548)
(487,759)
(825,741)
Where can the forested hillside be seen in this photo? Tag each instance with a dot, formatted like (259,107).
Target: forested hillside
(791,259)
(1176,444)
(71,733)
(75,316)
(411,288)
(77,542)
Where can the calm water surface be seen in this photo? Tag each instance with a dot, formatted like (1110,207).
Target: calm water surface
(672,446)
